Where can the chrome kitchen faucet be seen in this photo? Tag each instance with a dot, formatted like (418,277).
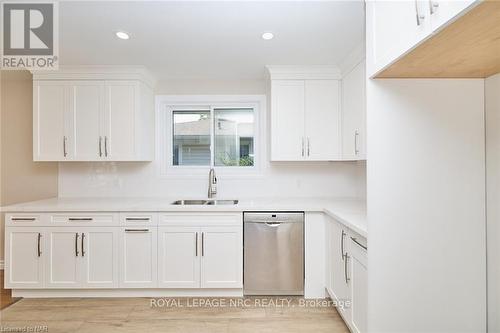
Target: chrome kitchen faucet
(212,184)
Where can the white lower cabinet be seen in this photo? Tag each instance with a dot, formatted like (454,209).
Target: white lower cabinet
(62,260)
(99,255)
(347,274)
(359,282)
(178,257)
(24,255)
(138,253)
(93,251)
(339,268)
(221,257)
(200,257)
(81,257)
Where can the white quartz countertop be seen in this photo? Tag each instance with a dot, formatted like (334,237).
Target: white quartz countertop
(350,212)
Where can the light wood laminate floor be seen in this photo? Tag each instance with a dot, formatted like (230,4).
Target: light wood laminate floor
(5,294)
(102,315)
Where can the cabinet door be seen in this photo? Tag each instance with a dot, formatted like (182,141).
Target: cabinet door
(329,255)
(24,257)
(138,265)
(322,120)
(86,105)
(119,131)
(442,11)
(340,273)
(62,266)
(178,257)
(99,257)
(393,27)
(222,257)
(287,120)
(354,114)
(50,102)
(359,288)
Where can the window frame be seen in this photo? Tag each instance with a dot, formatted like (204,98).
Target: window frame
(167,104)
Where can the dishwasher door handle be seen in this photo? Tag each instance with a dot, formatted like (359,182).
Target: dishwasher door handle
(273,224)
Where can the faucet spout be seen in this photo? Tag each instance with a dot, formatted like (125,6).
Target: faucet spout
(212,184)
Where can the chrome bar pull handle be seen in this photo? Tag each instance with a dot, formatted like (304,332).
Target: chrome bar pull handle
(308,147)
(83,240)
(202,244)
(100,146)
(76,245)
(196,244)
(347,279)
(433,6)
(136,230)
(106,146)
(23,219)
(303,147)
(420,17)
(342,244)
(39,250)
(65,152)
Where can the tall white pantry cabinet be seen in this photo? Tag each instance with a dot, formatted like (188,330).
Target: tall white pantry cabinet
(93,115)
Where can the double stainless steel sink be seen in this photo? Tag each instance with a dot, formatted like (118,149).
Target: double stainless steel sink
(209,202)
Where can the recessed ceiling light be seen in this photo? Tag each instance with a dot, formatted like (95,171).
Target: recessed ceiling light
(267,36)
(122,35)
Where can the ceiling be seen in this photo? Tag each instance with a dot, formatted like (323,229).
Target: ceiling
(209,39)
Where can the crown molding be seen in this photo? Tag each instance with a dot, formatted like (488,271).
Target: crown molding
(319,72)
(140,73)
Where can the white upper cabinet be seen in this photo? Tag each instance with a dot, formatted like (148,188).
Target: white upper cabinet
(441,12)
(50,120)
(322,121)
(305,115)
(90,115)
(395,27)
(287,119)
(86,107)
(354,114)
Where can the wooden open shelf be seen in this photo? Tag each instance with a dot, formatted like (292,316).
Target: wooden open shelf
(467,48)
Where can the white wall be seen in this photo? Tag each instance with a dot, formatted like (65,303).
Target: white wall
(426,206)
(339,179)
(492,101)
(21,179)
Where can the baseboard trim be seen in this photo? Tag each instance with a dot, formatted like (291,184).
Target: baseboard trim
(42,293)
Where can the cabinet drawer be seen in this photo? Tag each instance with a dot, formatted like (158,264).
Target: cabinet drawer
(84,218)
(24,219)
(201,219)
(139,219)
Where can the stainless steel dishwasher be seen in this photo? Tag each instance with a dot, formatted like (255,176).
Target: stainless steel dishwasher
(273,253)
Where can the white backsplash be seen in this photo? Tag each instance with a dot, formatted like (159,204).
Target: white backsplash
(133,179)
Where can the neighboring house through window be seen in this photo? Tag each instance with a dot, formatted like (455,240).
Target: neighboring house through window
(203,135)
